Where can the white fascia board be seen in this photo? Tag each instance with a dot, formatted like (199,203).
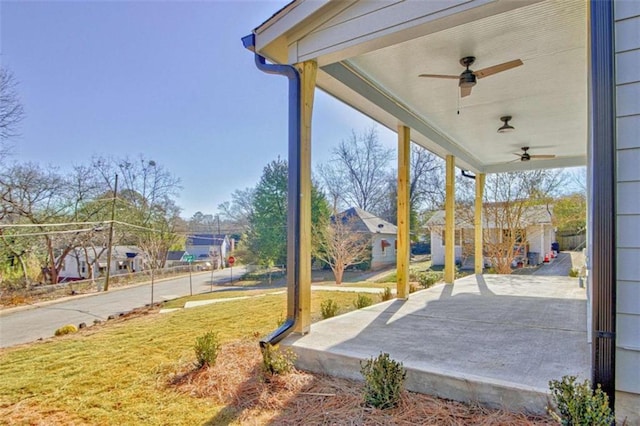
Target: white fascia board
(357,33)
(289,17)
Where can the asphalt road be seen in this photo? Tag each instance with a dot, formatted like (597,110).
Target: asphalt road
(41,320)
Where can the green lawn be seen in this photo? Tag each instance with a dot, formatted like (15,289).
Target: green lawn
(116,373)
(414,268)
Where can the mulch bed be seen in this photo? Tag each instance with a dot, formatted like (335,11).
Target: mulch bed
(236,382)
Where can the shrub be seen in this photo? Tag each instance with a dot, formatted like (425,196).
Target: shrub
(362,301)
(386,294)
(66,329)
(578,404)
(328,308)
(207,347)
(413,288)
(428,279)
(383,380)
(574,272)
(275,361)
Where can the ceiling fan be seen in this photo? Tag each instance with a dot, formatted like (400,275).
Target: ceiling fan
(525,156)
(468,77)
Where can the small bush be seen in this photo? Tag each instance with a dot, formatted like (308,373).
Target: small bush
(328,308)
(413,288)
(574,272)
(66,329)
(275,361)
(362,301)
(386,294)
(207,347)
(578,404)
(383,378)
(428,279)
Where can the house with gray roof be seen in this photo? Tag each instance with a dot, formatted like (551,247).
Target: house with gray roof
(214,248)
(383,235)
(533,225)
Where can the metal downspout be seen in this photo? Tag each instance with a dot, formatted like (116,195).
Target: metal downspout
(293,191)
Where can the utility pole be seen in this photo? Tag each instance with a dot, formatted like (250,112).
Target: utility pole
(110,246)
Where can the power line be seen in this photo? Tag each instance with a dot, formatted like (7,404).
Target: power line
(35,234)
(41,225)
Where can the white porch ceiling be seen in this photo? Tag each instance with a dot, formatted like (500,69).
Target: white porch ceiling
(547,96)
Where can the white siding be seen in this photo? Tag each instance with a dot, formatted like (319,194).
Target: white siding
(380,257)
(627,46)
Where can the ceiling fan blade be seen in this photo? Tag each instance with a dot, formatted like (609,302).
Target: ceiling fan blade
(542,156)
(486,72)
(465,91)
(452,77)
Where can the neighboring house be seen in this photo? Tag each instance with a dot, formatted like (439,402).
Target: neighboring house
(383,236)
(175,258)
(209,247)
(535,230)
(124,259)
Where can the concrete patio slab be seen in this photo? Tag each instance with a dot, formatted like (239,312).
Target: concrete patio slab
(492,339)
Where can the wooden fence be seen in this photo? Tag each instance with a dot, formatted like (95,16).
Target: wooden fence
(572,242)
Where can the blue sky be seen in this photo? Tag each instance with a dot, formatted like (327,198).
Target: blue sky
(167,79)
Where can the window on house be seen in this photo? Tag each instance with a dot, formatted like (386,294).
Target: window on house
(384,244)
(83,266)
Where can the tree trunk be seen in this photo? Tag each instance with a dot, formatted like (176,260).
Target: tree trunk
(25,273)
(338,272)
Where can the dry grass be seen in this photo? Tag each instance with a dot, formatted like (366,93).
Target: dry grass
(236,383)
(140,370)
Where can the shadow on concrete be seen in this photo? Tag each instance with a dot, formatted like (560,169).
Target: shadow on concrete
(496,340)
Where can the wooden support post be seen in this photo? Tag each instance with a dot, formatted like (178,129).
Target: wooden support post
(477,224)
(308,71)
(449,222)
(403,219)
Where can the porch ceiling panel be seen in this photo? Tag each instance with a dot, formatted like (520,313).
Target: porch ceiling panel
(546,96)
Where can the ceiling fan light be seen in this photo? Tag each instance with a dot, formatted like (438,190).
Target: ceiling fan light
(506,127)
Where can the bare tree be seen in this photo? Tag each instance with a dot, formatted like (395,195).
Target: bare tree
(144,184)
(239,210)
(511,202)
(340,245)
(11,109)
(39,197)
(357,173)
(153,243)
(426,186)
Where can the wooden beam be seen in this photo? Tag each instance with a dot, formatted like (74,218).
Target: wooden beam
(308,71)
(403,219)
(449,222)
(477,224)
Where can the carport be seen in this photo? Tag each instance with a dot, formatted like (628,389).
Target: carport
(560,100)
